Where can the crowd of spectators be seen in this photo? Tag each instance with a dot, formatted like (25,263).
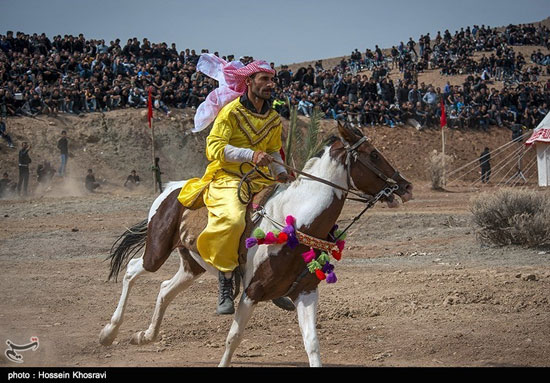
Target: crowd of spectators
(72,74)
(75,75)
(346,93)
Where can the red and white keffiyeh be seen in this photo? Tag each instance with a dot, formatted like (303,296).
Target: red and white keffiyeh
(232,84)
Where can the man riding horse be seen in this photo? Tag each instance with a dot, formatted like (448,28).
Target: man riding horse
(246,129)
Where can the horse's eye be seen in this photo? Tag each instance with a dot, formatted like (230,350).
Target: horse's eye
(374,155)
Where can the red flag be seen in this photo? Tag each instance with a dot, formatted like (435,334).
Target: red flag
(150,108)
(443,115)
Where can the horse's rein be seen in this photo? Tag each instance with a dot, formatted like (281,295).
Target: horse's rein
(351,153)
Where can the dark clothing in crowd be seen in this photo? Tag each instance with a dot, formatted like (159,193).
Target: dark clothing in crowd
(132,180)
(63,146)
(91,183)
(485,164)
(24,162)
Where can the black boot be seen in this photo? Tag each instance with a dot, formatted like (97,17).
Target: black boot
(225,295)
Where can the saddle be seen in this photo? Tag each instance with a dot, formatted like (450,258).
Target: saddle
(194,221)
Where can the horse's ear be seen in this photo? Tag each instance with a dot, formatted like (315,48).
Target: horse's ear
(347,135)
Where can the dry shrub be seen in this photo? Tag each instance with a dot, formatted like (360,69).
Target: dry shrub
(437,167)
(519,217)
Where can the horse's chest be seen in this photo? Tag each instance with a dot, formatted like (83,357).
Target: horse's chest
(274,277)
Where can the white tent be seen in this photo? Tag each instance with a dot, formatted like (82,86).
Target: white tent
(541,139)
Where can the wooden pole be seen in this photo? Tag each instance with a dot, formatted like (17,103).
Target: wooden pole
(443,152)
(153,156)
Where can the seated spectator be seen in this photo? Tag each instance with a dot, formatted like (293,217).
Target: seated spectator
(90,181)
(132,180)
(44,173)
(159,104)
(305,106)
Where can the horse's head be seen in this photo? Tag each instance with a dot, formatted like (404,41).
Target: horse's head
(368,170)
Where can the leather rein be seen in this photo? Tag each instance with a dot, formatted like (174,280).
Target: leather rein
(352,153)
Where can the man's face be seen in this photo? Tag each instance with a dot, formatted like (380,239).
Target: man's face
(261,85)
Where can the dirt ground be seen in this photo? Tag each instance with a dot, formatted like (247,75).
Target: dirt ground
(415,288)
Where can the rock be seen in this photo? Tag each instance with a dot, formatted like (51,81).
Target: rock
(374,313)
(74,229)
(530,277)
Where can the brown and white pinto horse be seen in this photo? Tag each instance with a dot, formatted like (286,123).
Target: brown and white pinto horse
(349,162)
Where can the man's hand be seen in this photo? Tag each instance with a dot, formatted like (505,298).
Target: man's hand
(285,178)
(261,158)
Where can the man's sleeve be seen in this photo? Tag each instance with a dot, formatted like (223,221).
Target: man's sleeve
(235,154)
(218,139)
(276,169)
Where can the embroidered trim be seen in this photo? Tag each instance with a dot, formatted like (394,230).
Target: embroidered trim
(244,112)
(262,133)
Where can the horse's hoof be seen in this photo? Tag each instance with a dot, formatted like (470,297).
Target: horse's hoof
(139,338)
(107,336)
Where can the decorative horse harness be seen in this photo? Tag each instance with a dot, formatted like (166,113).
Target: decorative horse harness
(352,154)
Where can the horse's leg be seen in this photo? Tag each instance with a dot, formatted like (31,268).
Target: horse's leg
(187,273)
(242,316)
(306,306)
(110,331)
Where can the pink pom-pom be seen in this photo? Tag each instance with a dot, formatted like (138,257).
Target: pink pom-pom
(270,239)
(290,220)
(340,243)
(309,256)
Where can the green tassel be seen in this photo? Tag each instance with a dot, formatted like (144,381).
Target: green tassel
(258,233)
(323,258)
(337,233)
(276,232)
(313,265)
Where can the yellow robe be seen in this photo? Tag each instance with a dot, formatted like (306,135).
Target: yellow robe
(218,244)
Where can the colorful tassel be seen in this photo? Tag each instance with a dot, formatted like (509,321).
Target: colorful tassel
(258,233)
(292,241)
(320,275)
(337,254)
(290,220)
(331,278)
(328,267)
(309,256)
(288,229)
(338,234)
(282,238)
(340,243)
(270,239)
(251,242)
(323,258)
(313,265)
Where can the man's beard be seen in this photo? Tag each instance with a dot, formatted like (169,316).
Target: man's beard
(259,94)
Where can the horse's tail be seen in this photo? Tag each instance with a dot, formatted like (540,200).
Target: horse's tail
(126,247)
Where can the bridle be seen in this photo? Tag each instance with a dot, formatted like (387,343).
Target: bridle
(352,155)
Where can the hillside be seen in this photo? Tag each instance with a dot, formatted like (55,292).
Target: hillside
(114,143)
